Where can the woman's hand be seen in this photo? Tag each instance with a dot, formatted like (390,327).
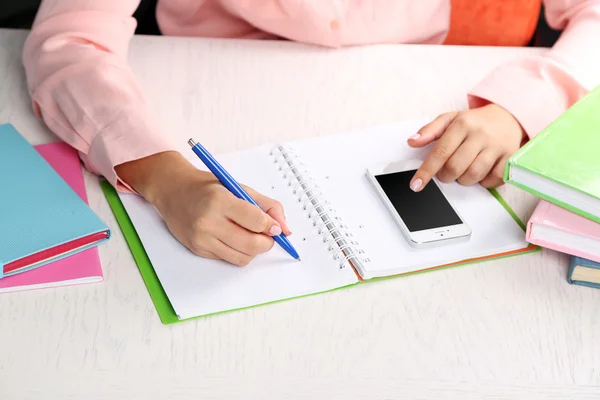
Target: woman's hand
(472,146)
(201,213)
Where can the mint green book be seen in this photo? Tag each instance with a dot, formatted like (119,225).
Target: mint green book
(562,163)
(183,285)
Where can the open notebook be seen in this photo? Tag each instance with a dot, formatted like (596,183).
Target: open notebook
(335,167)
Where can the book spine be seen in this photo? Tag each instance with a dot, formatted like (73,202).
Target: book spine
(573,261)
(328,224)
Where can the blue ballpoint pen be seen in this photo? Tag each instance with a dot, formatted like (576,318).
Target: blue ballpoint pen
(235,188)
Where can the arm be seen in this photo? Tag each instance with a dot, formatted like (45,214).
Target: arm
(515,102)
(81,85)
(536,90)
(76,64)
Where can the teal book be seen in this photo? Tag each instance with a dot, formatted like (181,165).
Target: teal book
(42,219)
(584,272)
(561,164)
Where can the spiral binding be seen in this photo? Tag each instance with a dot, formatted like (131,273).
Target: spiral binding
(330,227)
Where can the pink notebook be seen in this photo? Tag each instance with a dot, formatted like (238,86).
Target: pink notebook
(80,268)
(558,229)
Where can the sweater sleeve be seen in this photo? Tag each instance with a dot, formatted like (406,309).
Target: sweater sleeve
(536,90)
(80,83)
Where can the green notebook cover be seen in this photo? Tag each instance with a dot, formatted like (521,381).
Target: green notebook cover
(566,152)
(166,312)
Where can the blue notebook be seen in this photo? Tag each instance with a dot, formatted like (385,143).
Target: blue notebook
(41,218)
(584,272)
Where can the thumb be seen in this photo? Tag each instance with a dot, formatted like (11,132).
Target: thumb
(432,131)
(272,207)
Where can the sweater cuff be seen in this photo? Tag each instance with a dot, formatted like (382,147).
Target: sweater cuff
(535,92)
(129,138)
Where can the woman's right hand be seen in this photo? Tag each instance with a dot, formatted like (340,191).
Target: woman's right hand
(201,213)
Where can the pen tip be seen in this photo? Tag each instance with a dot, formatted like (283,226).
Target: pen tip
(299,259)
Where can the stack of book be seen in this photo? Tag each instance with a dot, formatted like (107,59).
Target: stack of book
(561,166)
(48,233)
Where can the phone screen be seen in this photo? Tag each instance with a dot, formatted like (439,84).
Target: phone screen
(427,209)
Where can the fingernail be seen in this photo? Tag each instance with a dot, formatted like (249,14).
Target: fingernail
(416,185)
(415,136)
(275,230)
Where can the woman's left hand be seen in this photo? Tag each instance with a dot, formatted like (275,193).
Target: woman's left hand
(472,146)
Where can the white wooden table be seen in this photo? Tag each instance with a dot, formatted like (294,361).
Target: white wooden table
(505,329)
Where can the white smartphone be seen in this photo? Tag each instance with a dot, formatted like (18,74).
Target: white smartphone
(426,218)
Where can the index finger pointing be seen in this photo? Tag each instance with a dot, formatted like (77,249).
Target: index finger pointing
(441,152)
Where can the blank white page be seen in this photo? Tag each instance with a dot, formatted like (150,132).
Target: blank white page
(339,163)
(197,286)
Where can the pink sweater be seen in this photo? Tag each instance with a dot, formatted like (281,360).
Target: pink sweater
(81,85)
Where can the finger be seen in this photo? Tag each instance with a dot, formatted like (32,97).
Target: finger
(254,219)
(496,177)
(441,152)
(273,208)
(479,168)
(228,253)
(243,240)
(460,161)
(198,246)
(276,212)
(432,131)
(203,253)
